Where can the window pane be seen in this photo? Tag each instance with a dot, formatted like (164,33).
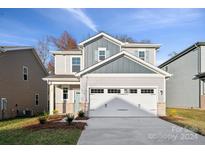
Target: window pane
(114,91)
(25,77)
(97,91)
(102,53)
(76,68)
(142,55)
(147,91)
(76,60)
(65,93)
(101,57)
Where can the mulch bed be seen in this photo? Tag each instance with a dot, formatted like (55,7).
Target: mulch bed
(57,125)
(81,118)
(54,123)
(175,118)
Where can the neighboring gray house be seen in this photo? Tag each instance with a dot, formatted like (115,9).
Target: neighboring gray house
(21,84)
(107,77)
(186,87)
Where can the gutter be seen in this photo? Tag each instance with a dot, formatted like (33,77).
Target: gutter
(195,45)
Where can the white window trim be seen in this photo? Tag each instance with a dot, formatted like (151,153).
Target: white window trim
(25,67)
(71,63)
(38,99)
(101,49)
(144,54)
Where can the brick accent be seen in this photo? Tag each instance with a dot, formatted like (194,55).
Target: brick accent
(161,109)
(202,101)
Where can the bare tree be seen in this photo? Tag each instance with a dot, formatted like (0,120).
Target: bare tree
(64,42)
(125,38)
(43,50)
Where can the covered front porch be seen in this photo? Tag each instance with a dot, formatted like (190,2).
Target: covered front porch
(64,94)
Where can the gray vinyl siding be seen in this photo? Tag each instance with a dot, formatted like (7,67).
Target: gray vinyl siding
(150,54)
(181,89)
(91,48)
(123,65)
(87,81)
(202,58)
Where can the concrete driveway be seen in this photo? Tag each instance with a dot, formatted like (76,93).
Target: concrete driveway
(134,131)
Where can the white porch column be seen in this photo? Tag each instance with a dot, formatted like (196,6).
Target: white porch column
(51,99)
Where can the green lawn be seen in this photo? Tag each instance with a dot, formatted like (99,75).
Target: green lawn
(13,132)
(190,118)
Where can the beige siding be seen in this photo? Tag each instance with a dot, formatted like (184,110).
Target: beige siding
(61,106)
(121,81)
(15,89)
(63,64)
(60,64)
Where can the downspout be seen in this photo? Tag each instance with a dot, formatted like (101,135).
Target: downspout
(199,71)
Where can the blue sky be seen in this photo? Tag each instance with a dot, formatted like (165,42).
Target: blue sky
(174,29)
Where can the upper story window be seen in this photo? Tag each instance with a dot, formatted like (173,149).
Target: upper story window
(141,55)
(25,73)
(75,64)
(101,54)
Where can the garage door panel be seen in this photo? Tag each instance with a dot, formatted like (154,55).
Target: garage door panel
(123,104)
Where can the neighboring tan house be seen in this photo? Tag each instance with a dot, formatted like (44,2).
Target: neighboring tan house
(21,84)
(186,88)
(107,77)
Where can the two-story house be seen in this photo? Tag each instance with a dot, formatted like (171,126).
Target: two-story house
(186,88)
(22,90)
(107,77)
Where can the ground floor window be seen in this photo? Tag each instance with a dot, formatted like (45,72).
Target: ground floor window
(36,99)
(65,93)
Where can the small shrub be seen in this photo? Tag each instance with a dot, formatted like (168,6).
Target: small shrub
(173,112)
(69,118)
(43,119)
(55,112)
(81,114)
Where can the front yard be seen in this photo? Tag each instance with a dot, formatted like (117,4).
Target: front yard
(27,131)
(192,119)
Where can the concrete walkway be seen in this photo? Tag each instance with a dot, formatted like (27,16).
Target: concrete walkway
(134,131)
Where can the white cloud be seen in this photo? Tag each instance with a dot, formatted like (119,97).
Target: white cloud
(148,19)
(84,18)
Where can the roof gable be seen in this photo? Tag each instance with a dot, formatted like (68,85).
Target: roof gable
(122,65)
(101,34)
(20,48)
(130,57)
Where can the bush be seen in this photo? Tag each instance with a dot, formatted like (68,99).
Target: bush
(55,112)
(173,112)
(69,118)
(43,119)
(81,114)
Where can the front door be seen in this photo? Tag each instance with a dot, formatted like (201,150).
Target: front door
(76,101)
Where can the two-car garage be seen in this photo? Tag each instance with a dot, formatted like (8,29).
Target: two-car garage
(122,101)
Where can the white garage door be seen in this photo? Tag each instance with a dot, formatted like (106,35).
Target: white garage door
(131,102)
